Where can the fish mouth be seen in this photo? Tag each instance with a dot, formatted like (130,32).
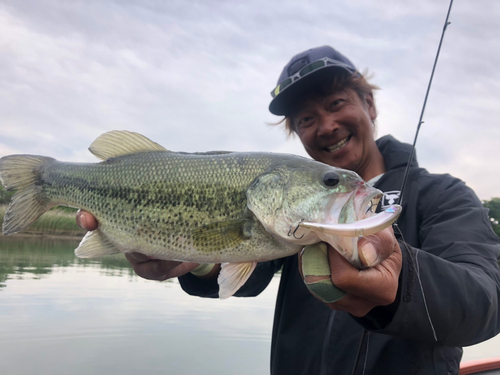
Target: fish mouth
(358,205)
(357,216)
(366,203)
(339,145)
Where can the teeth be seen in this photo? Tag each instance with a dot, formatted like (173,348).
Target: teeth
(338,145)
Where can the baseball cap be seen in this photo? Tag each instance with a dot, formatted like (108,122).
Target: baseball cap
(305,69)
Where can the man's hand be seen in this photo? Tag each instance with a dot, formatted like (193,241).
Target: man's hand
(157,269)
(374,286)
(86,220)
(144,266)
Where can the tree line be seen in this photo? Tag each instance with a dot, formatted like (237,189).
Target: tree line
(494,207)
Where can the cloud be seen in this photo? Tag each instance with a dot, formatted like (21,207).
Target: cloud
(197,75)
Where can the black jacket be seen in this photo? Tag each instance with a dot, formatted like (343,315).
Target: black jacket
(454,303)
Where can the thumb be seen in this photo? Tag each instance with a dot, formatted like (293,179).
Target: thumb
(376,248)
(368,254)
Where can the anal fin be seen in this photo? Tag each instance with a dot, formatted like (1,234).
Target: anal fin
(232,276)
(95,244)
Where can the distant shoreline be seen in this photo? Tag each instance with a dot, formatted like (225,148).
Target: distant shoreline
(56,223)
(59,236)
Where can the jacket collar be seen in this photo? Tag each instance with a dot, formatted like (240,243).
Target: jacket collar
(395,153)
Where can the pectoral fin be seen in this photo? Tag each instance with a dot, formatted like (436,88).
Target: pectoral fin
(221,235)
(95,244)
(232,276)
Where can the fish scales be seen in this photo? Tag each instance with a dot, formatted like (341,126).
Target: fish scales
(155,200)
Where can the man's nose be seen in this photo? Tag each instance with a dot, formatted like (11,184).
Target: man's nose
(327,124)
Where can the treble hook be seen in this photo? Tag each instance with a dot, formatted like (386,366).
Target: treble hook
(290,233)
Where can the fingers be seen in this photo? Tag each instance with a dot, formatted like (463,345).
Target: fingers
(85,220)
(157,269)
(136,258)
(376,285)
(312,267)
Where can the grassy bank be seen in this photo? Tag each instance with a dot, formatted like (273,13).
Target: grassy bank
(58,221)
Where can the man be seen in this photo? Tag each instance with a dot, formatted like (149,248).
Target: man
(424,293)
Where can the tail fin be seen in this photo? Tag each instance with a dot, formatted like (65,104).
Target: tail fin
(23,173)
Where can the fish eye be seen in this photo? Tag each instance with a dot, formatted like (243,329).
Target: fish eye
(331,179)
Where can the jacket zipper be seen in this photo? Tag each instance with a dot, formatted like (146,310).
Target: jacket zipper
(326,340)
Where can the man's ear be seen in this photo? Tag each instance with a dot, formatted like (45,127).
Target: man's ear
(370,102)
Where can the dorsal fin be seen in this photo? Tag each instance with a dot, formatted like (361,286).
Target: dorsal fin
(121,142)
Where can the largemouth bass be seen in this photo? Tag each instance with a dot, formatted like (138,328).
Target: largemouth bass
(216,207)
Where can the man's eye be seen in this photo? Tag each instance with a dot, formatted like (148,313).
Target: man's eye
(304,122)
(335,103)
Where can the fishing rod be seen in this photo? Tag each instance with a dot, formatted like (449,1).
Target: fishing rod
(413,258)
(366,334)
(420,121)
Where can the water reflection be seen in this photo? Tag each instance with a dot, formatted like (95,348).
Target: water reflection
(34,257)
(60,312)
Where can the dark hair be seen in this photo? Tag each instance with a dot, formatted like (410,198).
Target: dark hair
(338,82)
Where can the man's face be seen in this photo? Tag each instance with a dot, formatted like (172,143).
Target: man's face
(337,129)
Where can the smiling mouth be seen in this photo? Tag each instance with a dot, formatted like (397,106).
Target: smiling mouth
(339,145)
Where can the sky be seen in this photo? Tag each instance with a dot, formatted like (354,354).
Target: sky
(197,75)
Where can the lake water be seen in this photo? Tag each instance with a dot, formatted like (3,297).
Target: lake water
(60,314)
